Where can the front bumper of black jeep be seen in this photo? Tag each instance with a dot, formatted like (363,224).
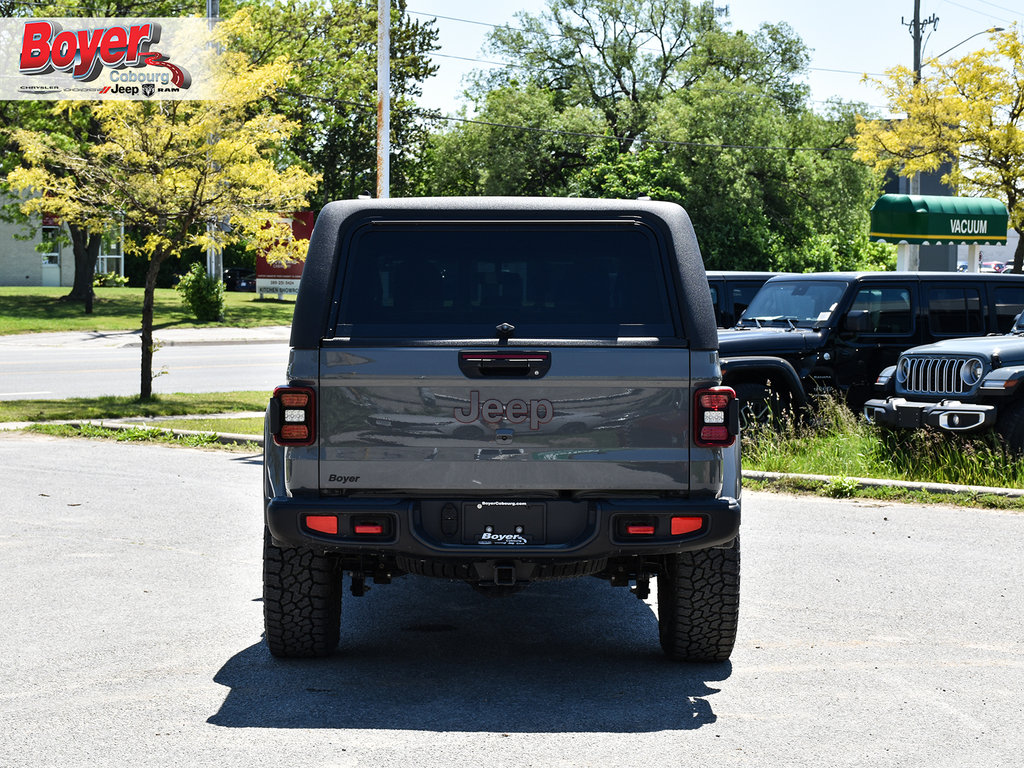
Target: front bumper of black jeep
(950,415)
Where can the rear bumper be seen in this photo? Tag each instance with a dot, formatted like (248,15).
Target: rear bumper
(950,415)
(472,529)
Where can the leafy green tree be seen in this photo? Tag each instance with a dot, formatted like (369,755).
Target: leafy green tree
(968,112)
(332,45)
(169,168)
(518,143)
(766,187)
(623,57)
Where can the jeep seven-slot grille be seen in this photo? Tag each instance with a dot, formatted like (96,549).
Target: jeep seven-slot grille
(933,376)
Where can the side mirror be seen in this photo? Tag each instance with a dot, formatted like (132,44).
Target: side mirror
(857,321)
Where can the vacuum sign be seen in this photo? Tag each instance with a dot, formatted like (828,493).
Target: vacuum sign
(80,58)
(936,220)
(968,226)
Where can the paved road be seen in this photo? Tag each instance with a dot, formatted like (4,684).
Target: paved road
(191,360)
(871,635)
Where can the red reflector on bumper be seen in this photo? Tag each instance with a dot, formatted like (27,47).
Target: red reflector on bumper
(640,530)
(323,524)
(681,525)
(372,529)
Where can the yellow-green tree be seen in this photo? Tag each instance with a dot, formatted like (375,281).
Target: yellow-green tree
(178,173)
(968,112)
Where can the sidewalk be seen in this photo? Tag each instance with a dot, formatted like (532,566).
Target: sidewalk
(168,337)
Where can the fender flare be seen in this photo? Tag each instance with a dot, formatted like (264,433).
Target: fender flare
(766,368)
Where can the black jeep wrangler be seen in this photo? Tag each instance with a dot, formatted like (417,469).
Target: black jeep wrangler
(834,332)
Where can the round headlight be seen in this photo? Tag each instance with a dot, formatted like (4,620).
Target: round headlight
(971,371)
(902,370)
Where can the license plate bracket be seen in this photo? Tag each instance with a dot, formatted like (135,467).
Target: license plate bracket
(504,523)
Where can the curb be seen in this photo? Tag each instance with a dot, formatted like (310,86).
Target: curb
(222,437)
(166,338)
(199,343)
(910,485)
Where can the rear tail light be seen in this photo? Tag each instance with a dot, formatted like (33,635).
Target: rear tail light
(293,416)
(716,417)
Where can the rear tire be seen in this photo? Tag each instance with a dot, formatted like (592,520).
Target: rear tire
(301,600)
(698,604)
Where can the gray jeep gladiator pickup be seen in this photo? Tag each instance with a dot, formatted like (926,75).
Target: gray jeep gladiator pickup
(500,391)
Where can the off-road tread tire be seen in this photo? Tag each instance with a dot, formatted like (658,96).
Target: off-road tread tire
(1011,427)
(301,600)
(698,604)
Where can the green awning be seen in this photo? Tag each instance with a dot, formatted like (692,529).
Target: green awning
(936,220)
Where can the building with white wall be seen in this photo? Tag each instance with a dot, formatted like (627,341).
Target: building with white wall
(46,257)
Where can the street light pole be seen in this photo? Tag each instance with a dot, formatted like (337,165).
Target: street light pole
(989,31)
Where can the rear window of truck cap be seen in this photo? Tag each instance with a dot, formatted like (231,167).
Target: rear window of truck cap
(546,280)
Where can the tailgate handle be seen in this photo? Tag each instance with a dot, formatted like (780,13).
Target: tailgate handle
(504,365)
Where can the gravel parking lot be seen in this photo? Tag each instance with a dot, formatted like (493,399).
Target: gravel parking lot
(871,634)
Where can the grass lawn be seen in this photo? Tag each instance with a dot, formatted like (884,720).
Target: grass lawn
(190,404)
(37,310)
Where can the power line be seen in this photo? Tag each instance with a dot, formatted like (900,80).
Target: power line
(858,73)
(982,13)
(701,89)
(558,132)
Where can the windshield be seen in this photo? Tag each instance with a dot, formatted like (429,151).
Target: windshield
(796,302)
(1018,324)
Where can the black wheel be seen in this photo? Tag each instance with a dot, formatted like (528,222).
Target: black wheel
(1011,427)
(301,600)
(698,604)
(760,405)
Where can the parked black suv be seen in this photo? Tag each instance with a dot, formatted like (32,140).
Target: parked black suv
(834,332)
(731,292)
(502,391)
(957,385)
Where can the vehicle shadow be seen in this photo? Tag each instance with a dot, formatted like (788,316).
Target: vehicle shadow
(425,654)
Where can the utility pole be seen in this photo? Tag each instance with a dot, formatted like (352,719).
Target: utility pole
(916,27)
(383,98)
(214,258)
(912,259)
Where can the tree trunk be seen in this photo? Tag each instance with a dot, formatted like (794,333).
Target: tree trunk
(85,246)
(146,381)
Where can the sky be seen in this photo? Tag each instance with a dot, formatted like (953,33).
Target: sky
(847,40)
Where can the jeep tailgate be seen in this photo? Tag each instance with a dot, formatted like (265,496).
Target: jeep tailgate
(410,418)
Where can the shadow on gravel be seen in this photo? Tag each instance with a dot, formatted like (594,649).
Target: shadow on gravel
(429,655)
